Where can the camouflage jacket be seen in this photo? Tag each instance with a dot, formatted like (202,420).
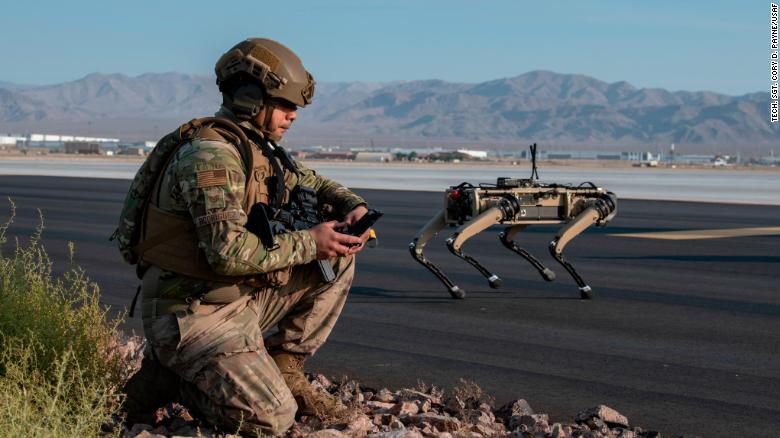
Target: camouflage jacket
(206,181)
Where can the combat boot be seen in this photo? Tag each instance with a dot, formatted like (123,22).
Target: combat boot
(153,386)
(310,402)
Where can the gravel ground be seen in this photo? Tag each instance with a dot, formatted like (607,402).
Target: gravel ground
(424,411)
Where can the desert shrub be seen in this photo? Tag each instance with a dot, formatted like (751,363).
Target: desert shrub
(59,375)
(469,390)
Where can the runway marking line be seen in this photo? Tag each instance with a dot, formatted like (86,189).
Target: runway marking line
(704,234)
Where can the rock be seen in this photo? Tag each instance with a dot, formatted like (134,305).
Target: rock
(326,433)
(396,425)
(481,417)
(520,420)
(147,434)
(425,406)
(378,407)
(627,433)
(489,430)
(404,408)
(441,422)
(360,426)
(184,431)
(608,415)
(410,394)
(542,426)
(529,421)
(323,381)
(138,428)
(595,423)
(557,431)
(517,407)
(429,431)
(385,396)
(397,434)
(388,419)
(454,405)
(652,434)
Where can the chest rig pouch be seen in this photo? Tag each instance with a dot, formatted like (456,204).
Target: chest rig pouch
(164,239)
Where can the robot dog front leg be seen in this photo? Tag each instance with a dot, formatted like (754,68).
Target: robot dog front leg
(416,247)
(600,212)
(471,228)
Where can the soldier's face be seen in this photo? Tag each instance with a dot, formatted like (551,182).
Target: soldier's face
(281,119)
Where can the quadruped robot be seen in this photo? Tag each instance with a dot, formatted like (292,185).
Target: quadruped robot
(516,203)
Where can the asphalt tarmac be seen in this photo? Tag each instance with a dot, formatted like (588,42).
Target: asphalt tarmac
(683,336)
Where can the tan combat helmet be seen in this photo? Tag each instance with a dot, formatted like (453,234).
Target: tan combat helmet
(275,67)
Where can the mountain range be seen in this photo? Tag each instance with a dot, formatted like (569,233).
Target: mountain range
(557,110)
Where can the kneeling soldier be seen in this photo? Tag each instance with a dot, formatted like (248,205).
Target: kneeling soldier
(211,288)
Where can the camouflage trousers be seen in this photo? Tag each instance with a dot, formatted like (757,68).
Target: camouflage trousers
(219,352)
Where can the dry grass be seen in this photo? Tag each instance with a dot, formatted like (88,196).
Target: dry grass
(468,390)
(58,373)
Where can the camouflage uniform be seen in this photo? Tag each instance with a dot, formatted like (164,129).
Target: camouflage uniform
(218,349)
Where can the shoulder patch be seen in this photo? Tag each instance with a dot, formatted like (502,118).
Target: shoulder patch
(214,197)
(211,177)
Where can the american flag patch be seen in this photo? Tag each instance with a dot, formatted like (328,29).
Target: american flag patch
(213,177)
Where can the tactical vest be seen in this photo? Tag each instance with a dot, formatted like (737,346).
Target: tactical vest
(169,241)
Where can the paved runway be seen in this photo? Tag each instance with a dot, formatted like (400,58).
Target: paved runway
(683,334)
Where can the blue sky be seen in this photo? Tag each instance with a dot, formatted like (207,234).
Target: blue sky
(715,45)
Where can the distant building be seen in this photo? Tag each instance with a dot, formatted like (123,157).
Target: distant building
(57,142)
(11,142)
(693,159)
(133,150)
(479,155)
(452,156)
(382,157)
(32,151)
(84,148)
(333,155)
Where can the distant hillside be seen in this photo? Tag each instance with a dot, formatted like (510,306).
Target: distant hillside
(542,106)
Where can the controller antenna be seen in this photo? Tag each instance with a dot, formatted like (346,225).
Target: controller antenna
(534,170)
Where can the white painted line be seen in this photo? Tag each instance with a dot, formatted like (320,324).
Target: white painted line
(704,234)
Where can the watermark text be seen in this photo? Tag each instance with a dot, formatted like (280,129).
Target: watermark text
(773,63)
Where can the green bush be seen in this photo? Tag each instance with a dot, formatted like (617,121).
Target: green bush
(59,373)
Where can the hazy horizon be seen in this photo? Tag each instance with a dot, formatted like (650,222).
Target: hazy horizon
(211,75)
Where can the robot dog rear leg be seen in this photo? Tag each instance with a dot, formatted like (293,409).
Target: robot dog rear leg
(506,238)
